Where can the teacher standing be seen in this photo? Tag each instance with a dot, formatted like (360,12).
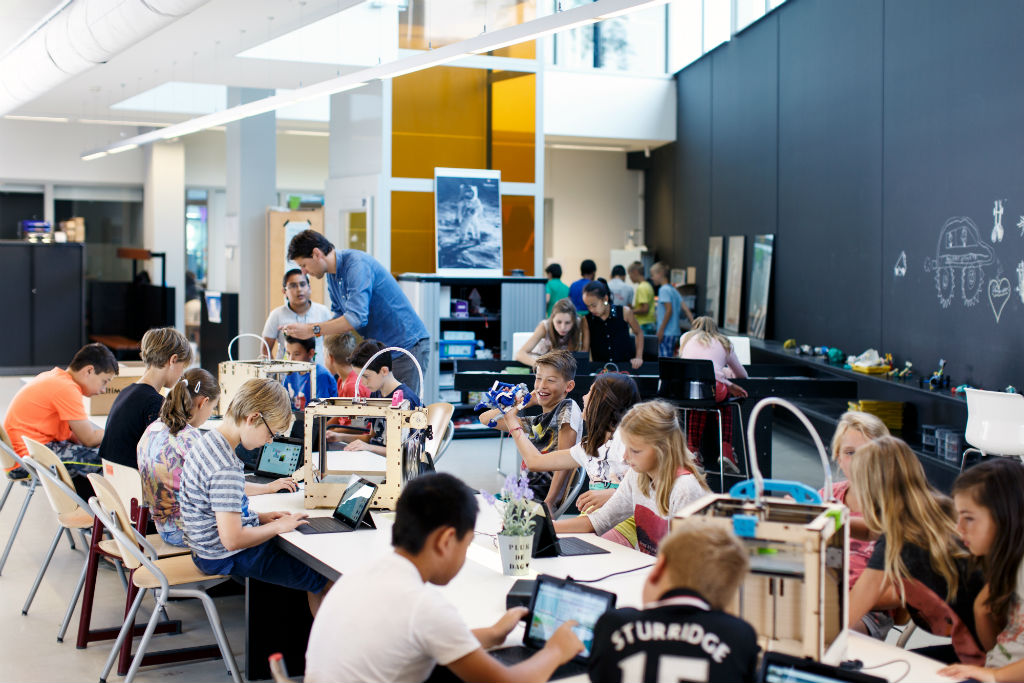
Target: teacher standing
(366,298)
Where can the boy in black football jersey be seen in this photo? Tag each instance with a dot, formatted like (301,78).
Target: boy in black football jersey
(682,633)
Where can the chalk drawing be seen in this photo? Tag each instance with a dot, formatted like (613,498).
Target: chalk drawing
(998,295)
(1020,280)
(997,216)
(1020,224)
(900,269)
(960,256)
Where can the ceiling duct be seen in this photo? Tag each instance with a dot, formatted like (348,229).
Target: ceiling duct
(83,34)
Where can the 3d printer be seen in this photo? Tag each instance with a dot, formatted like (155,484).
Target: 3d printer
(232,374)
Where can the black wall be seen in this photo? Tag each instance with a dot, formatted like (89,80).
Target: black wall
(854,131)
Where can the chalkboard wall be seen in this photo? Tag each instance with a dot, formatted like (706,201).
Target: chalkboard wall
(858,132)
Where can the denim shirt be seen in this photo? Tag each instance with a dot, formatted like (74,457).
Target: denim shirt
(372,302)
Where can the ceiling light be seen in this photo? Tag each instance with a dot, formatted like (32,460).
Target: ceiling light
(589,148)
(109,122)
(122,148)
(309,133)
(46,119)
(94,155)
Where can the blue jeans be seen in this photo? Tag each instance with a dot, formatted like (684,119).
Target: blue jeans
(667,346)
(265,562)
(175,537)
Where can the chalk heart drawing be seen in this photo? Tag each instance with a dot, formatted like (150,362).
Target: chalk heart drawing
(998,295)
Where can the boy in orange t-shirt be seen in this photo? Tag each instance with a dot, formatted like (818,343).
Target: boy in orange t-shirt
(50,410)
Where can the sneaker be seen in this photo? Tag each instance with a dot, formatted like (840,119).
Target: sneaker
(729,467)
(18,473)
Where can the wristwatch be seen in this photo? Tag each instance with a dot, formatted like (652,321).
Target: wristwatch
(316,330)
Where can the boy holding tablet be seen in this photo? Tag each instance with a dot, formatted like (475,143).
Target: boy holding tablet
(682,633)
(414,626)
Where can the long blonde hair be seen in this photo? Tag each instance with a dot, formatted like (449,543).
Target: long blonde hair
(896,500)
(656,423)
(571,341)
(706,332)
(870,426)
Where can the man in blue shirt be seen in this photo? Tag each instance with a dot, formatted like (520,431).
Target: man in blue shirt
(366,298)
(588,271)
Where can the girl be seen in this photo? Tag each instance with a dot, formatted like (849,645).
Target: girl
(606,334)
(600,453)
(662,479)
(990,514)
(705,342)
(561,330)
(917,562)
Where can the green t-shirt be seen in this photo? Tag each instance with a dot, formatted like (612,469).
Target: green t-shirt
(557,290)
(644,295)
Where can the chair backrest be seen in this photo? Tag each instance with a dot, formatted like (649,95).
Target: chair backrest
(686,379)
(651,347)
(573,488)
(995,422)
(126,481)
(9,458)
(60,500)
(438,416)
(113,515)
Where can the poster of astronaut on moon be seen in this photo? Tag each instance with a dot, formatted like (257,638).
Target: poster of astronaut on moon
(467,220)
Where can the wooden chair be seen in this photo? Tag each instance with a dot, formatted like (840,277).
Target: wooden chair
(127,482)
(439,417)
(10,461)
(167,578)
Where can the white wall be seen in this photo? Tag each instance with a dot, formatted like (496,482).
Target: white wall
(593,104)
(595,201)
(301,161)
(40,152)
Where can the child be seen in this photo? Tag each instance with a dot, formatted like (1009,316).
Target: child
(622,291)
(338,349)
(414,626)
(298,308)
(554,288)
(560,330)
(588,271)
(917,562)
(163,446)
(991,523)
(670,303)
(606,334)
(663,479)
(558,427)
(49,409)
(643,299)
(297,383)
(166,353)
(705,342)
(699,569)
(382,384)
(224,535)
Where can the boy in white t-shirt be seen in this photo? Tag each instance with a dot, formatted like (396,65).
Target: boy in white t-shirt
(413,626)
(299,307)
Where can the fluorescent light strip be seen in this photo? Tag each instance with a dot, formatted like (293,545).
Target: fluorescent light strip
(589,148)
(45,119)
(485,42)
(110,122)
(308,133)
(94,155)
(123,148)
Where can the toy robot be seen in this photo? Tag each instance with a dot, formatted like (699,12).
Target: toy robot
(505,397)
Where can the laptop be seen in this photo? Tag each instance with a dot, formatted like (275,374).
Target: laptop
(741,345)
(279,458)
(351,512)
(555,601)
(781,668)
(546,542)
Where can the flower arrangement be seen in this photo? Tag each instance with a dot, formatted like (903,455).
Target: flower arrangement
(517,506)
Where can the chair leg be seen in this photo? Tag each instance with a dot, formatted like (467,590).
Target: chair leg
(17,524)
(71,539)
(218,633)
(721,452)
(501,446)
(743,440)
(74,601)
(146,637)
(128,627)
(121,575)
(42,570)
(7,492)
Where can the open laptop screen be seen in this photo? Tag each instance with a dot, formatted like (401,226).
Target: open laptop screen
(280,458)
(557,601)
(354,501)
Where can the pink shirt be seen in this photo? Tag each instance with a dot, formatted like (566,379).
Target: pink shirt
(695,350)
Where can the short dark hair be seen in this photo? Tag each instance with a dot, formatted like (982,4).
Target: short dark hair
(98,356)
(303,244)
(364,352)
(308,344)
(554,270)
(618,271)
(588,267)
(429,502)
(293,271)
(597,288)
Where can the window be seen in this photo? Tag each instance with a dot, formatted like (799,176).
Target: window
(196,233)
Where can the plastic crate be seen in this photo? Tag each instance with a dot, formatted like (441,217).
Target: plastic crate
(457,348)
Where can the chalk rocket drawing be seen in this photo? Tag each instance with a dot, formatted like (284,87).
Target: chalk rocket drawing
(997,215)
(900,269)
(1020,224)
(998,295)
(960,261)
(1020,281)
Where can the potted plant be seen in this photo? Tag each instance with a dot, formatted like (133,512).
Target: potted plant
(515,540)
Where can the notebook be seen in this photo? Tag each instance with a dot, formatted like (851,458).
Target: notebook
(351,512)
(546,542)
(279,458)
(780,668)
(554,602)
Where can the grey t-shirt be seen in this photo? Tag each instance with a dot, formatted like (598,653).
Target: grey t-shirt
(282,315)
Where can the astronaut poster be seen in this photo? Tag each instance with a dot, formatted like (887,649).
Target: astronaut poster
(467,221)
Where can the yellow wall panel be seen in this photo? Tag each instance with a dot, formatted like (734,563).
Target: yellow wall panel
(412,232)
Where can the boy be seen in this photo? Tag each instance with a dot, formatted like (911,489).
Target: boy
(682,632)
(382,383)
(554,288)
(297,383)
(588,271)
(414,626)
(622,291)
(166,352)
(298,308)
(643,299)
(50,410)
(670,303)
(558,427)
(338,350)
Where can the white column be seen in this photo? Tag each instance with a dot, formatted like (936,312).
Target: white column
(163,217)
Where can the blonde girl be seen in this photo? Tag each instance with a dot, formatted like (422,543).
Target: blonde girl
(662,479)
(561,330)
(917,561)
